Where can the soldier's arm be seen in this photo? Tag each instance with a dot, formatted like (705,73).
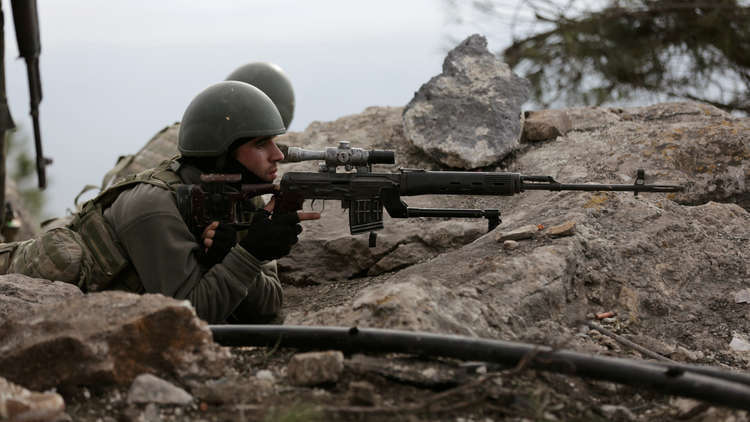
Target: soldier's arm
(263,303)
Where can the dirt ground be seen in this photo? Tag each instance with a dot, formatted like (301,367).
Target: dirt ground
(481,394)
(391,388)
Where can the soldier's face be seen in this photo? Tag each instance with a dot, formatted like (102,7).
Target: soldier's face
(260,156)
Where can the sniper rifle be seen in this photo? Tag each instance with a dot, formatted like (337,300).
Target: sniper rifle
(365,193)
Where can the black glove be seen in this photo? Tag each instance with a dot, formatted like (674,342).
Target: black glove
(223,241)
(268,238)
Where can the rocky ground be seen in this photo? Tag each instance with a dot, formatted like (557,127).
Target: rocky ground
(654,276)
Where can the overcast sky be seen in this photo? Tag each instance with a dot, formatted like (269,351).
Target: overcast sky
(116,72)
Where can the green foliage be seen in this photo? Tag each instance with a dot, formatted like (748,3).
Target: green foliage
(629,49)
(21,168)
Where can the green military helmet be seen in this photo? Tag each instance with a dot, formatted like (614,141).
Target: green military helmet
(272,80)
(223,113)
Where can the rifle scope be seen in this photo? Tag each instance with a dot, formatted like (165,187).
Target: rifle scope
(343,155)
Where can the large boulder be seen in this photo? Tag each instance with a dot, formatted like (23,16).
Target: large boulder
(20,294)
(107,338)
(469,116)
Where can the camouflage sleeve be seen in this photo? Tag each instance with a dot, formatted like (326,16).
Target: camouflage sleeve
(164,253)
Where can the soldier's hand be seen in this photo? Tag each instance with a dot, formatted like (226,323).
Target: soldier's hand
(218,240)
(271,238)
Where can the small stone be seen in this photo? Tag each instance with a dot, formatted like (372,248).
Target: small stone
(525,232)
(739,344)
(362,393)
(684,405)
(618,412)
(20,404)
(541,125)
(315,368)
(265,374)
(150,414)
(429,373)
(147,388)
(686,354)
(565,229)
(510,244)
(743,296)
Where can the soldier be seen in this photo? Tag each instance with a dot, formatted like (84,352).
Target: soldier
(139,241)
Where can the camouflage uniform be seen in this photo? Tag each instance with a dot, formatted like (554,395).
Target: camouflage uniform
(165,256)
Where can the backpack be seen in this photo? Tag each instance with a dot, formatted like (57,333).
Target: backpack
(86,252)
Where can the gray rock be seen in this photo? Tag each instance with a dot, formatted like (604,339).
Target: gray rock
(524,232)
(19,404)
(403,256)
(107,338)
(147,388)
(327,252)
(150,414)
(362,393)
(739,343)
(20,294)
(510,244)
(743,296)
(567,228)
(433,375)
(233,389)
(542,125)
(615,412)
(315,368)
(265,374)
(469,116)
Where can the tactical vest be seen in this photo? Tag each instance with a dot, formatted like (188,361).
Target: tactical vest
(111,269)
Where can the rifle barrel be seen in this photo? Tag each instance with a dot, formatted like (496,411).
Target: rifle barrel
(600,187)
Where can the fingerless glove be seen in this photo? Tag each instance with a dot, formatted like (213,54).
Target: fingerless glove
(223,241)
(271,238)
